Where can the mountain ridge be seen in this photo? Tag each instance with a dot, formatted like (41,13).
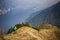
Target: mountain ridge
(34,14)
(49,15)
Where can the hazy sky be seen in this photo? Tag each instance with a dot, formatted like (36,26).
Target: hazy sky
(34,5)
(16,11)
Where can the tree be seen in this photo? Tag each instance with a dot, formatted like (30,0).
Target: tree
(19,26)
(10,30)
(27,24)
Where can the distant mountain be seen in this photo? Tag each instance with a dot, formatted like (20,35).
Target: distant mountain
(50,15)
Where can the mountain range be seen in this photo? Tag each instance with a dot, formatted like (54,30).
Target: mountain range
(49,15)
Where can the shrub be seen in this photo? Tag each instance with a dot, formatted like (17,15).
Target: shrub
(10,30)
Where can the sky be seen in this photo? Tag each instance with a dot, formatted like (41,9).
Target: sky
(8,5)
(17,11)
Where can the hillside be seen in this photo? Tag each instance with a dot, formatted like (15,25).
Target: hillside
(49,15)
(24,33)
(28,33)
(49,32)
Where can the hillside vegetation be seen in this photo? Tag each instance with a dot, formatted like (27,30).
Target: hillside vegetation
(26,32)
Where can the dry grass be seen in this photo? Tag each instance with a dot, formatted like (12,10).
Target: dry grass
(46,32)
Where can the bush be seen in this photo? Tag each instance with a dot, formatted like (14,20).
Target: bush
(10,30)
(18,26)
(27,24)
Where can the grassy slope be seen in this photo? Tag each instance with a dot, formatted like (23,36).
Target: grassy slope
(46,32)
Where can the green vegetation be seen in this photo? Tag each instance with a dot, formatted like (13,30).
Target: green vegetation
(18,26)
(23,24)
(44,26)
(36,28)
(27,24)
(10,30)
